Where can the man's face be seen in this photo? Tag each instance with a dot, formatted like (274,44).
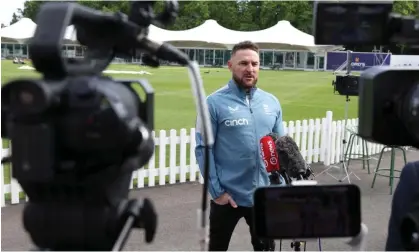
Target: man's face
(244,65)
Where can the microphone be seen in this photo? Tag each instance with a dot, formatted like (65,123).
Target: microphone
(270,158)
(269,155)
(291,159)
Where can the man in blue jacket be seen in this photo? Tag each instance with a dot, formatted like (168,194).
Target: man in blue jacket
(241,114)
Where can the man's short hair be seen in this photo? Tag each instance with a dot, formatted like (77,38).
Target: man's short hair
(245,45)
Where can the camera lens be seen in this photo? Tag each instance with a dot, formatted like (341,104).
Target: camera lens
(26,97)
(412,111)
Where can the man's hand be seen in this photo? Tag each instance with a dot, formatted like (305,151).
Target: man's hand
(225,199)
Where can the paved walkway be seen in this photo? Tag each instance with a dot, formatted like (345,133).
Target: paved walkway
(177,207)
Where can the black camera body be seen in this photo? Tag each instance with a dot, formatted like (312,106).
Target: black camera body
(77,135)
(347,85)
(388,97)
(389,106)
(80,121)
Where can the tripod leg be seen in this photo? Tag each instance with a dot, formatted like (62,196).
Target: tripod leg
(349,148)
(366,156)
(343,148)
(345,168)
(347,155)
(352,138)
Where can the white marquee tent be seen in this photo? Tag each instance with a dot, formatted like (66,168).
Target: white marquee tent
(282,36)
(207,35)
(21,31)
(18,32)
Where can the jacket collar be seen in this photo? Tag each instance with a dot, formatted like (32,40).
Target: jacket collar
(239,91)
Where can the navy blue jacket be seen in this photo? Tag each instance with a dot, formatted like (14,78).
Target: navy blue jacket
(403,199)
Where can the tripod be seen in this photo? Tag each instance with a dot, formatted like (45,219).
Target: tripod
(344,168)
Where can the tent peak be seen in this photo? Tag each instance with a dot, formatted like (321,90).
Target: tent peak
(211,21)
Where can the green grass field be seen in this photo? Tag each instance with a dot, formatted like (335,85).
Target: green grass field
(303,95)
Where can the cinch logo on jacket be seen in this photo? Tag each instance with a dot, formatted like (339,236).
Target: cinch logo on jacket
(236,122)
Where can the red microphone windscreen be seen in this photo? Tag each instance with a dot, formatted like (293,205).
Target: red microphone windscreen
(269,154)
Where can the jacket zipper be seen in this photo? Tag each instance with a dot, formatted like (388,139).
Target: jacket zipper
(255,137)
(248,103)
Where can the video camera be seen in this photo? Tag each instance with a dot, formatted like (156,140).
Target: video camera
(388,114)
(388,106)
(78,135)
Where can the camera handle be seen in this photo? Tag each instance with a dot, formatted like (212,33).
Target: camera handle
(359,242)
(139,215)
(136,214)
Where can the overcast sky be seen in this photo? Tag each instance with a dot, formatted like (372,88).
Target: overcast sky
(7,8)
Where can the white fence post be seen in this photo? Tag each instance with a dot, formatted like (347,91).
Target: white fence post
(193,167)
(327,131)
(304,130)
(316,149)
(285,125)
(298,132)
(152,165)
(310,131)
(183,145)
(172,163)
(162,157)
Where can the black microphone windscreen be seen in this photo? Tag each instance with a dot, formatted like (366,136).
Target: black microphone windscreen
(290,156)
(274,136)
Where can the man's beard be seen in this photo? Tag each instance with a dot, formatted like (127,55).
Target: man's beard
(242,84)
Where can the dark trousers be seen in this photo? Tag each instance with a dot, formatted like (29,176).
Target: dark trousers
(223,221)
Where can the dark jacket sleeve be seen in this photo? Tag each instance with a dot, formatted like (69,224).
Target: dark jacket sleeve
(403,200)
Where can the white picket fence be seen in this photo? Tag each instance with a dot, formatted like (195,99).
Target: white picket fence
(319,140)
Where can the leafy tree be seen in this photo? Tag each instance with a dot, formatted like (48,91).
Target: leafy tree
(15,18)
(31,8)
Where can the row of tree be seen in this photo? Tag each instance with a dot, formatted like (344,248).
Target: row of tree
(243,15)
